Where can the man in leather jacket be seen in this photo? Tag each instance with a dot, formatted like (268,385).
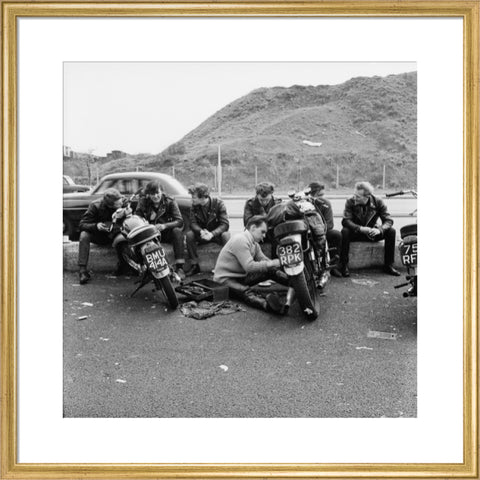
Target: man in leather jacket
(163,212)
(365,219)
(261,203)
(208,223)
(324,207)
(96,226)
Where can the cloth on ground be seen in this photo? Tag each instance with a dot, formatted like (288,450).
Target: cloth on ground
(204,309)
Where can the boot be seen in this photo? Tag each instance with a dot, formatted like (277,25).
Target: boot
(84,276)
(274,304)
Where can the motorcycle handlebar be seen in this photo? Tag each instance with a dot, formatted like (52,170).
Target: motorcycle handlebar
(395,194)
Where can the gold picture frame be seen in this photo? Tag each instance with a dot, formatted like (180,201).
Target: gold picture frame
(467,10)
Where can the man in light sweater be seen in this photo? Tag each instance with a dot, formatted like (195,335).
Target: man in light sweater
(242,264)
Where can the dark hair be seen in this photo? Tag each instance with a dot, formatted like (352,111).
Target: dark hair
(264,188)
(153,187)
(316,187)
(199,189)
(111,195)
(256,220)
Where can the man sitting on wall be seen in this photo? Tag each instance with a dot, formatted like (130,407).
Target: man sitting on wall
(208,223)
(366,219)
(96,226)
(261,203)
(324,207)
(163,212)
(242,264)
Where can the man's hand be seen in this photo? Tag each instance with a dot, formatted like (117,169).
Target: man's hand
(365,230)
(101,227)
(206,235)
(374,232)
(160,227)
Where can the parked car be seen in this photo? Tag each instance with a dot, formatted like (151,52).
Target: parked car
(70,186)
(127,183)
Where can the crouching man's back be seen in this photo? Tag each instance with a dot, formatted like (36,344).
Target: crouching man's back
(242,264)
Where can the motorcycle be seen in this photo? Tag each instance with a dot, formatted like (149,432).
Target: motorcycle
(300,234)
(408,249)
(145,253)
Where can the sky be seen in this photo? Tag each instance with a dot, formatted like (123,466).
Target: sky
(145,107)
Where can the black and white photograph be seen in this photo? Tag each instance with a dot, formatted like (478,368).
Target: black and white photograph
(239,240)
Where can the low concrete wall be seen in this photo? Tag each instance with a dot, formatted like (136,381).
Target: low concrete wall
(104,259)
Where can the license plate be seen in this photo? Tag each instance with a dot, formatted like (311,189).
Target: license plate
(408,254)
(156,260)
(290,255)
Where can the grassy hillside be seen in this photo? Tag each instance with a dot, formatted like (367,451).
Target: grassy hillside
(362,125)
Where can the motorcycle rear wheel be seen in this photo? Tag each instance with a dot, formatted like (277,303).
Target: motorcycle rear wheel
(166,285)
(306,291)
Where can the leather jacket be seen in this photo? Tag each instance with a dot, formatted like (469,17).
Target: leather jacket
(98,212)
(356,215)
(212,217)
(254,207)
(166,213)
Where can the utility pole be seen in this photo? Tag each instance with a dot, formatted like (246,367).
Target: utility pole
(383,183)
(173,171)
(338,177)
(219,167)
(256,175)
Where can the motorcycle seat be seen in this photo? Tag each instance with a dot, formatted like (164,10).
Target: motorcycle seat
(142,234)
(289,227)
(408,230)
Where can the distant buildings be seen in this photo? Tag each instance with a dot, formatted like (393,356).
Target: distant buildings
(69,154)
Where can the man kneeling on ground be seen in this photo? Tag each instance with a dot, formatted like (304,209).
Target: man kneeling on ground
(242,264)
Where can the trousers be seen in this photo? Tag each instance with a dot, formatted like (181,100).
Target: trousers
(349,235)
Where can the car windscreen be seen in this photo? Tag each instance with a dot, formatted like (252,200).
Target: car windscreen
(128,186)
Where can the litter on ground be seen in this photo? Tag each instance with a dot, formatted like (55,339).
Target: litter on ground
(87,304)
(224,367)
(119,380)
(203,310)
(364,348)
(382,335)
(364,281)
(84,317)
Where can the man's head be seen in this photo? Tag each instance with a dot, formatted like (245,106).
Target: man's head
(200,194)
(112,198)
(317,190)
(362,192)
(257,226)
(153,191)
(264,192)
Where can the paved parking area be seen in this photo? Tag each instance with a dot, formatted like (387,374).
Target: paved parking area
(133,357)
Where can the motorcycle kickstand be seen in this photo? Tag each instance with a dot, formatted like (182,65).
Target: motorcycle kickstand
(143,282)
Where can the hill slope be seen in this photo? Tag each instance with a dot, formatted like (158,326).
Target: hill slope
(362,125)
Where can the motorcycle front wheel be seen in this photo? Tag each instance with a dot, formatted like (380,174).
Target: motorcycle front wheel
(306,291)
(166,285)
